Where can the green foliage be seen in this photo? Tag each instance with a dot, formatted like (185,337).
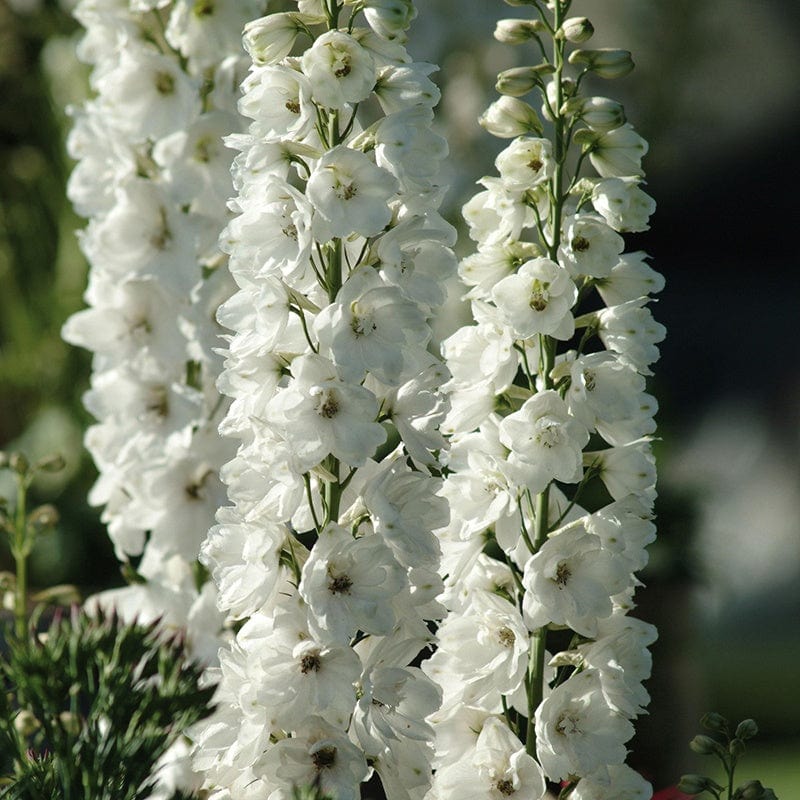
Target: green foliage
(88,707)
(728,747)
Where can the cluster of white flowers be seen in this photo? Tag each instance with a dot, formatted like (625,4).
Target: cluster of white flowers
(153,177)
(325,555)
(550,476)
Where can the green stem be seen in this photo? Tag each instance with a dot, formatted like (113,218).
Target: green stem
(535,682)
(20,552)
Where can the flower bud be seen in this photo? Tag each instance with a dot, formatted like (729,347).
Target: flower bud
(508,117)
(704,745)
(605,63)
(736,747)
(576,29)
(18,463)
(52,463)
(714,722)
(44,518)
(751,790)
(26,724)
(517,31)
(271,38)
(601,113)
(520,80)
(746,729)
(693,784)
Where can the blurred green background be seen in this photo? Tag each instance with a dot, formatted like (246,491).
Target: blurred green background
(716,95)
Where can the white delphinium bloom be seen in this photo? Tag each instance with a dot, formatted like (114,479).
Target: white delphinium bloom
(537,299)
(349,584)
(545,441)
(497,768)
(570,581)
(482,652)
(350,193)
(626,469)
(630,279)
(623,205)
(623,784)
(577,733)
(319,754)
(618,152)
(526,163)
(590,246)
(339,69)
(630,330)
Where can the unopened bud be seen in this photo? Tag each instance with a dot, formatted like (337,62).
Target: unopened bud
(271,38)
(44,518)
(605,63)
(746,729)
(576,29)
(520,80)
(750,790)
(714,722)
(736,747)
(70,722)
(517,31)
(693,784)
(704,745)
(508,117)
(600,113)
(18,463)
(52,463)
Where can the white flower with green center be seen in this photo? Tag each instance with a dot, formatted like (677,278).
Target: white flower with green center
(349,585)
(589,246)
(537,299)
(350,193)
(570,581)
(545,441)
(339,69)
(526,163)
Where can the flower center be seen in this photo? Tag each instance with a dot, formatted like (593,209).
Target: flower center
(293,106)
(590,380)
(340,584)
(328,405)
(323,758)
(539,295)
(506,637)
(580,244)
(549,433)
(563,574)
(567,725)
(310,662)
(505,787)
(165,83)
(535,164)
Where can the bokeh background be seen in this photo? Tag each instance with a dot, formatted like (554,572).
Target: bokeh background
(716,94)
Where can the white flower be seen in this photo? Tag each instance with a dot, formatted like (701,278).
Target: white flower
(570,581)
(351,193)
(526,163)
(508,117)
(608,395)
(349,584)
(389,18)
(627,469)
(589,246)
(406,85)
(482,652)
(498,768)
(577,733)
(630,330)
(318,752)
(630,279)
(339,69)
(625,784)
(319,414)
(537,299)
(298,675)
(545,441)
(148,95)
(618,152)
(623,205)
(372,328)
(271,38)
